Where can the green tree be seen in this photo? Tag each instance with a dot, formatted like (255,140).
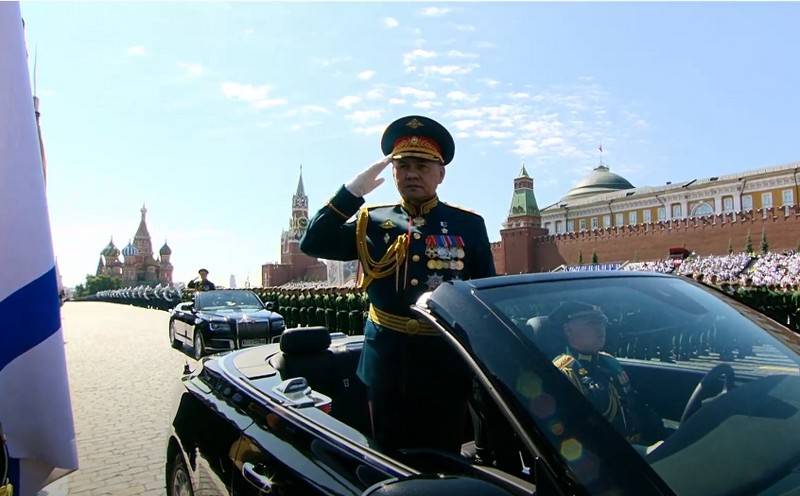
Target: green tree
(748,243)
(94,284)
(594,256)
(580,257)
(730,246)
(764,244)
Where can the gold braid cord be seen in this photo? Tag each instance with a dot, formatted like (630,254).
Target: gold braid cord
(388,264)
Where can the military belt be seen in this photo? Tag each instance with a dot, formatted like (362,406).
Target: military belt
(398,323)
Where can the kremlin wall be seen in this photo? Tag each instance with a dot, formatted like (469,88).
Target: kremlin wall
(606,215)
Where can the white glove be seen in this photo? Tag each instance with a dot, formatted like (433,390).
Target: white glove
(367,180)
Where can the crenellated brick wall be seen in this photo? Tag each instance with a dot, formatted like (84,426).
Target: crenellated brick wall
(703,235)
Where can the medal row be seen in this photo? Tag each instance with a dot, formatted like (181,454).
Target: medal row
(444,252)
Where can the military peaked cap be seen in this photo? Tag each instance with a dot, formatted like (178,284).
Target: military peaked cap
(418,136)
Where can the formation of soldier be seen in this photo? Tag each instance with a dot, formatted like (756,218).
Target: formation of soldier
(340,309)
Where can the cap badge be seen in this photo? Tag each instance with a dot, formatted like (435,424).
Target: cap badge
(414,123)
(414,140)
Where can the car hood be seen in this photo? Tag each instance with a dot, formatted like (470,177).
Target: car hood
(240,315)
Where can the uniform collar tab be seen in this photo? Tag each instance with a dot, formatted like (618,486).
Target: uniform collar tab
(423,209)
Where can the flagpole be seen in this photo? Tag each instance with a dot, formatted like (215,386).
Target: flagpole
(35,407)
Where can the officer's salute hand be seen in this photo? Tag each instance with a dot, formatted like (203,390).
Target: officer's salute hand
(367,180)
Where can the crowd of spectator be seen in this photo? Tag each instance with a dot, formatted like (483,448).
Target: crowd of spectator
(663,266)
(716,269)
(781,270)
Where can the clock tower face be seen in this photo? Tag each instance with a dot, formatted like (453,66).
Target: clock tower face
(302,222)
(300,202)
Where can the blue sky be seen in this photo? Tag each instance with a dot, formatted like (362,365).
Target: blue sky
(205,111)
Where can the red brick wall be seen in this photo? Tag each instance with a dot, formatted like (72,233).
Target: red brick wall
(499,257)
(705,236)
(519,246)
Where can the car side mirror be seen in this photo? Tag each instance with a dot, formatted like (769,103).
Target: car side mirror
(269,306)
(432,485)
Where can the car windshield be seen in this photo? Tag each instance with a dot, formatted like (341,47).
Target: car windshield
(636,349)
(218,300)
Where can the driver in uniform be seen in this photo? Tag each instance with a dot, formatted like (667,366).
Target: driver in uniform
(599,376)
(201,283)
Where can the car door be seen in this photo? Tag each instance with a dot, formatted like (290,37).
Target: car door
(291,451)
(210,423)
(184,318)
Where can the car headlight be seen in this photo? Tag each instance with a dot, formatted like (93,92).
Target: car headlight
(219,326)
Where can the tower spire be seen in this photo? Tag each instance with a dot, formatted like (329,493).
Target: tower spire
(301,191)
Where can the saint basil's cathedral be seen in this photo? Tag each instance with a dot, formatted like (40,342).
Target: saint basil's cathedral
(138,266)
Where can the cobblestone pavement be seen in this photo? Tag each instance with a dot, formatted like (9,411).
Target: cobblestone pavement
(124,378)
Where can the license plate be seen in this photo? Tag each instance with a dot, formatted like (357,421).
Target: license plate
(253,342)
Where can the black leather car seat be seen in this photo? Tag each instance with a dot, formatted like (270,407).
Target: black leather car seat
(305,353)
(351,406)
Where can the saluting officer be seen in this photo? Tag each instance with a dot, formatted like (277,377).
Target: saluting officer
(201,283)
(418,387)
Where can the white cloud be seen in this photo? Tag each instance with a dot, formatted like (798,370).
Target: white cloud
(307,110)
(364,116)
(553,141)
(426,104)
(418,53)
(192,70)
(348,101)
(244,92)
(462,55)
(489,133)
(434,11)
(463,125)
(304,125)
(464,27)
(526,147)
(396,101)
(417,93)
(518,95)
(449,70)
(461,134)
(270,102)
(366,75)
(137,50)
(256,96)
(375,94)
(485,44)
(330,61)
(460,96)
(466,113)
(390,22)
(490,82)
(376,130)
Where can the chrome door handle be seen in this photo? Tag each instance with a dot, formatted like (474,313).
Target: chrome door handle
(261,482)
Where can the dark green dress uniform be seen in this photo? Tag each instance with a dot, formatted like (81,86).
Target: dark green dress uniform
(199,285)
(414,378)
(601,378)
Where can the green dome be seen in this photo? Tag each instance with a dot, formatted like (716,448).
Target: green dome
(600,180)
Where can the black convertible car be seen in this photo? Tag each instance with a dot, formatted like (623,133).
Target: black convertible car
(223,320)
(721,380)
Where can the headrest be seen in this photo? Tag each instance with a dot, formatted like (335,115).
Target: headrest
(305,340)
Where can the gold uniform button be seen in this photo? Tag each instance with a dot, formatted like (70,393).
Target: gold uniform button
(414,282)
(415,258)
(417,235)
